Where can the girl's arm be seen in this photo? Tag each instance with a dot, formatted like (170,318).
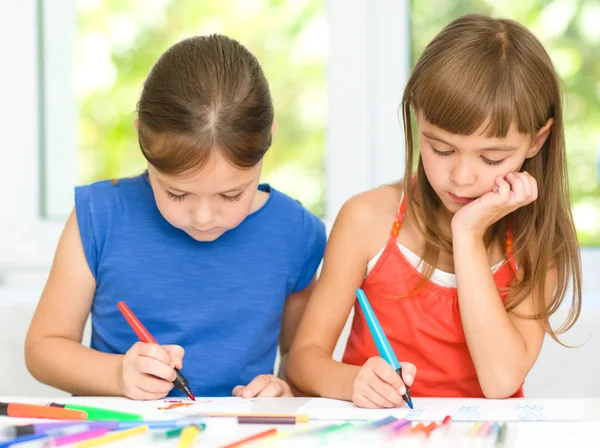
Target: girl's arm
(53,350)
(309,366)
(503,346)
(292,313)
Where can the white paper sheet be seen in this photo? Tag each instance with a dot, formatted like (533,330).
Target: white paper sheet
(463,410)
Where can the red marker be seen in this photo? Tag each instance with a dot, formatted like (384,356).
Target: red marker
(145,336)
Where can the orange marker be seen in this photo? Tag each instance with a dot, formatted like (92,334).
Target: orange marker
(36,411)
(260,435)
(418,428)
(430,427)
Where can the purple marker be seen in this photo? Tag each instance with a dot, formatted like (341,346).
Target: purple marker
(401,425)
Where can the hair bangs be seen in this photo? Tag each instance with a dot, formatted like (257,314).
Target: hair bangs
(461,96)
(174,154)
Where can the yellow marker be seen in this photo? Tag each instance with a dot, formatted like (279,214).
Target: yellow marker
(188,436)
(475,429)
(113,437)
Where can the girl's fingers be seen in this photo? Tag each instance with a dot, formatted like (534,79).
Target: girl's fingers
(153,385)
(518,189)
(389,385)
(409,370)
(373,395)
(273,389)
(237,391)
(256,385)
(175,351)
(503,191)
(534,189)
(154,367)
(363,402)
(157,352)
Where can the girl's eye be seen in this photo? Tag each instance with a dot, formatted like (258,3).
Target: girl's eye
(176,197)
(492,162)
(441,153)
(235,198)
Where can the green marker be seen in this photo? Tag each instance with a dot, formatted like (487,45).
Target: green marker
(330,429)
(324,429)
(100,414)
(175,432)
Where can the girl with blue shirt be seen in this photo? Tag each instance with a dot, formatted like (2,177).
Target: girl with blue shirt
(206,257)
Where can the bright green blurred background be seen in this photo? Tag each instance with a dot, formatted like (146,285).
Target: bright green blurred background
(118,41)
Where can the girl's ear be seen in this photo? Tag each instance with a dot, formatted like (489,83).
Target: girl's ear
(274,128)
(136,124)
(540,138)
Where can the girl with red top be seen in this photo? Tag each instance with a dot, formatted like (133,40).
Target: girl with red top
(465,260)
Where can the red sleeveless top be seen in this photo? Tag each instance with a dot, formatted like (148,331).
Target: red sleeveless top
(424,328)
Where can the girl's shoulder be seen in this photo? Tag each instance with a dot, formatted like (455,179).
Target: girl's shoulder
(369,216)
(376,206)
(115,194)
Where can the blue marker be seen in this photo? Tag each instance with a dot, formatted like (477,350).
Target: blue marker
(381,341)
(23,439)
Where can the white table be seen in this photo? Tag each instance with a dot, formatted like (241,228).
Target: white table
(221,431)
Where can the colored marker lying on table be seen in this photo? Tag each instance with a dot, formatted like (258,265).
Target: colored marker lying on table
(56,434)
(113,437)
(252,438)
(381,341)
(283,418)
(69,439)
(188,436)
(52,428)
(145,336)
(36,411)
(267,420)
(100,414)
(58,428)
(501,437)
(24,439)
(176,432)
(36,428)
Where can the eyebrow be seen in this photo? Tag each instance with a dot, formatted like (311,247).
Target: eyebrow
(503,148)
(230,190)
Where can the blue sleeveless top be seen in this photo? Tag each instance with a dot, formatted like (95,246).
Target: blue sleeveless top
(222,301)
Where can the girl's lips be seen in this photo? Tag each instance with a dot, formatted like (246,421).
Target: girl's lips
(460,199)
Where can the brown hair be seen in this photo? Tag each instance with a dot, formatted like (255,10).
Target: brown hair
(205,93)
(478,69)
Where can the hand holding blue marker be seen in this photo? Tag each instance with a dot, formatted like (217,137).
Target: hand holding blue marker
(381,341)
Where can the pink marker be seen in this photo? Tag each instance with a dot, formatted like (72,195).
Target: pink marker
(78,437)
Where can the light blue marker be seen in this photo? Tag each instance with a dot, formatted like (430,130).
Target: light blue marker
(381,341)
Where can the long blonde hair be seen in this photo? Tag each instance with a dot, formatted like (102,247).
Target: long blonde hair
(478,69)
